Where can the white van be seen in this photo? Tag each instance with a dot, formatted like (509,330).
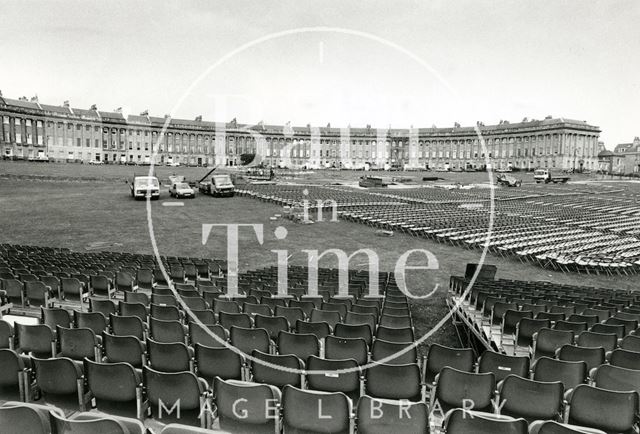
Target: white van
(145,186)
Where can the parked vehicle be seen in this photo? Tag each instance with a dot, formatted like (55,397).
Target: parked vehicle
(145,186)
(220,185)
(96,162)
(546,176)
(39,159)
(181,189)
(508,180)
(371,181)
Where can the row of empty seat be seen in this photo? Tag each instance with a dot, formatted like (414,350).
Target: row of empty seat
(176,332)
(174,345)
(564,339)
(372,417)
(566,228)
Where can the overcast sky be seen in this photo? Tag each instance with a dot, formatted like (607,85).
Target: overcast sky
(426,62)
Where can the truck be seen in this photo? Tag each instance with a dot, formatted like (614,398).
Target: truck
(219,186)
(508,180)
(145,186)
(546,176)
(371,181)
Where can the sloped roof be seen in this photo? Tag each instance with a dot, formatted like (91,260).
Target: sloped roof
(155,120)
(113,116)
(188,122)
(56,109)
(138,119)
(624,147)
(86,113)
(23,104)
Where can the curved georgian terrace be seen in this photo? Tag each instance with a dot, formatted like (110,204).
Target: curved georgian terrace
(31,129)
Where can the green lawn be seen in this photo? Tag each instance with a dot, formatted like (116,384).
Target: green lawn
(76,206)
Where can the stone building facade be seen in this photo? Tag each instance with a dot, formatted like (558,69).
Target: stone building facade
(624,160)
(32,130)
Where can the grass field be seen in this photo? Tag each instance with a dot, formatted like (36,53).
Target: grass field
(86,172)
(76,206)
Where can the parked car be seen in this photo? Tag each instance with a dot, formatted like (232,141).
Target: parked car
(181,189)
(98,162)
(145,186)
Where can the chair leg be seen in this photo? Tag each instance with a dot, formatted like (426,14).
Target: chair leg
(141,406)
(22,386)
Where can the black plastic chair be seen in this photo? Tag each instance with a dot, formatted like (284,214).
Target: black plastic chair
(182,390)
(116,387)
(346,348)
(334,376)
(300,345)
(530,399)
(169,357)
(218,362)
(127,349)
(570,374)
(460,421)
(394,353)
(453,388)
(13,376)
(300,411)
(246,340)
(36,340)
(440,356)
(395,382)
(502,365)
(288,372)
(376,416)
(258,412)
(21,418)
(207,335)
(78,343)
(61,380)
(603,409)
